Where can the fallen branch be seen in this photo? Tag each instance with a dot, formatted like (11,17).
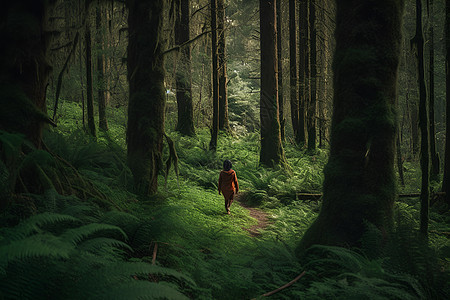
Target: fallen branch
(284,286)
(178,47)
(316,196)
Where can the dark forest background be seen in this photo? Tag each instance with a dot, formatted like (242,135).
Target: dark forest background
(116,117)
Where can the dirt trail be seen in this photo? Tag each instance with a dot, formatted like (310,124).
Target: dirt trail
(256,213)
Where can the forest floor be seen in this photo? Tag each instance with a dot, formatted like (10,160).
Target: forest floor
(256,213)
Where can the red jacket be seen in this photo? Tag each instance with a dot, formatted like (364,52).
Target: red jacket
(228,182)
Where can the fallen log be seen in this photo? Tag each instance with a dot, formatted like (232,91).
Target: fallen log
(316,196)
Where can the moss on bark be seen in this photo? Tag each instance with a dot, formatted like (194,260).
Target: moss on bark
(145,130)
(359,181)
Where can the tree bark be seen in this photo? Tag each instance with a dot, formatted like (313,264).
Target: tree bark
(101,97)
(360,182)
(215,77)
(280,71)
(302,65)
(271,149)
(221,49)
(399,159)
(185,124)
(146,107)
(293,75)
(446,179)
(434,170)
(313,78)
(418,40)
(24,69)
(89,84)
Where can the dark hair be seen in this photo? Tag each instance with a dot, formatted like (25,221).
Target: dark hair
(226,165)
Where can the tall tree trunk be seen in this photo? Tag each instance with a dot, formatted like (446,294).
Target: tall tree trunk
(302,65)
(434,171)
(321,82)
(146,106)
(185,124)
(89,84)
(313,78)
(24,69)
(280,71)
(215,77)
(221,48)
(102,120)
(399,159)
(360,182)
(446,179)
(415,141)
(293,77)
(271,148)
(418,40)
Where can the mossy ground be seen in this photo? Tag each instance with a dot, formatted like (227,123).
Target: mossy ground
(187,219)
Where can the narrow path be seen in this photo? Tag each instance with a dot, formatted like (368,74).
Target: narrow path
(256,213)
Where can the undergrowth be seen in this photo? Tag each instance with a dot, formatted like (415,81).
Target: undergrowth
(96,239)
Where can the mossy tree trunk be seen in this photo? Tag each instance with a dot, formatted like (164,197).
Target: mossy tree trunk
(221,49)
(312,135)
(280,71)
(359,184)
(293,75)
(185,123)
(24,69)
(101,95)
(446,179)
(215,77)
(418,42)
(434,171)
(271,149)
(145,130)
(89,83)
(302,64)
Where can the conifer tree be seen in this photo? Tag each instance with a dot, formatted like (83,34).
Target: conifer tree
(215,77)
(185,122)
(222,56)
(145,130)
(446,179)
(359,186)
(24,68)
(271,148)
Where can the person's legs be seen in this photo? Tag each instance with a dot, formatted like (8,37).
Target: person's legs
(228,204)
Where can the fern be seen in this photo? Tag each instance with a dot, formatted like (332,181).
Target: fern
(344,274)
(138,290)
(42,245)
(76,235)
(81,262)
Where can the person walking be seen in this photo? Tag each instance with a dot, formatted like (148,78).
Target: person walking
(228,184)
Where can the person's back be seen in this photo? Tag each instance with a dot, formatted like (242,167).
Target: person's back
(228,184)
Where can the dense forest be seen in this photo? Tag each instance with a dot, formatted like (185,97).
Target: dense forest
(117,118)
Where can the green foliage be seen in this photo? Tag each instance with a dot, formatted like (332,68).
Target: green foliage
(81,261)
(340,273)
(93,253)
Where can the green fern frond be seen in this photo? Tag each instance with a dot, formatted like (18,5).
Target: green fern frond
(97,245)
(129,269)
(127,222)
(138,289)
(36,223)
(41,245)
(10,145)
(76,235)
